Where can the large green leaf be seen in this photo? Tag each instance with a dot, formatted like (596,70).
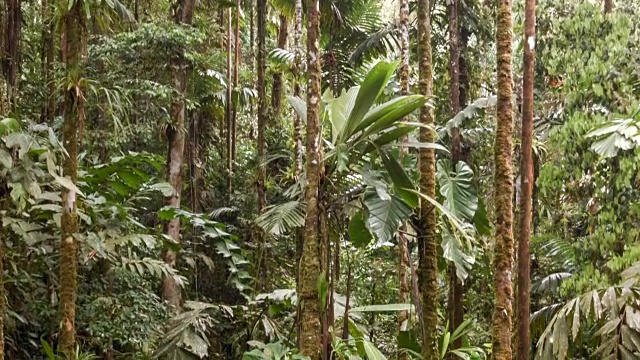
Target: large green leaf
(385,216)
(401,181)
(372,86)
(339,109)
(460,195)
(452,250)
(298,105)
(359,234)
(387,114)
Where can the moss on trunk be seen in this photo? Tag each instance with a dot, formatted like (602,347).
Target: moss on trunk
(310,338)
(503,190)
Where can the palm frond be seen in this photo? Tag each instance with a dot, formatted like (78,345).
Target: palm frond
(280,219)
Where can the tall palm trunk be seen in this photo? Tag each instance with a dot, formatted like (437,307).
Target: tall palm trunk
(171,291)
(262,102)
(503,190)
(526,173)
(608,6)
(403,71)
(72,54)
(236,79)
(297,123)
(427,223)
(229,108)
(49,43)
(278,81)
(310,339)
(455,308)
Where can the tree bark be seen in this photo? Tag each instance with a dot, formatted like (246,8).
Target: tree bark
(455,307)
(236,79)
(2,291)
(608,6)
(278,80)
(50,46)
(503,190)
(229,109)
(74,30)
(526,174)
(310,340)
(11,59)
(175,133)
(262,103)
(427,238)
(403,72)
(297,122)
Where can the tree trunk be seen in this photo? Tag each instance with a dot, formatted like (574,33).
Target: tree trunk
(427,237)
(236,77)
(228,109)
(50,47)
(403,71)
(278,81)
(310,339)
(503,190)
(262,103)
(526,174)
(3,81)
(74,30)
(455,308)
(11,59)
(2,305)
(608,6)
(171,291)
(297,122)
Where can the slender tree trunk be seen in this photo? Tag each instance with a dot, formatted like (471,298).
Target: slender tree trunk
(403,71)
(297,122)
(503,190)
(236,77)
(278,80)
(74,30)
(455,308)
(11,63)
(608,6)
(310,340)
(526,174)
(229,109)
(345,317)
(427,238)
(2,305)
(262,102)
(50,47)
(4,103)
(171,291)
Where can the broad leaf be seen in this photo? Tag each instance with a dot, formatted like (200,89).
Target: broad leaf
(401,181)
(359,234)
(385,216)
(384,308)
(460,195)
(452,250)
(372,86)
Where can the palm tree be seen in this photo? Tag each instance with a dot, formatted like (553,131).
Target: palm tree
(503,190)
(455,309)
(526,174)
(427,222)
(311,336)
(74,28)
(171,291)
(403,74)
